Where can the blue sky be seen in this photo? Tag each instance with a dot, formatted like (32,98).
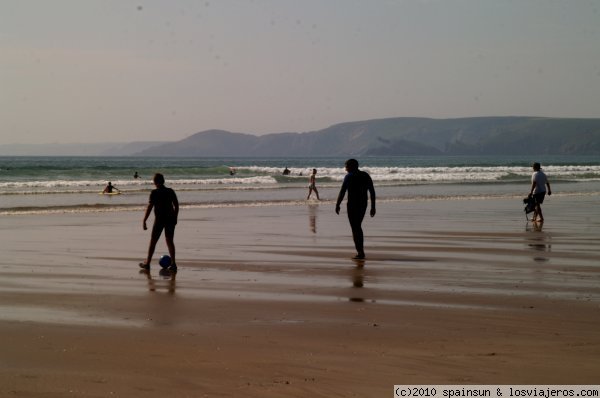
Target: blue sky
(96,71)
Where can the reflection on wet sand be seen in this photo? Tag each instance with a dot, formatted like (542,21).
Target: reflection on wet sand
(166,283)
(358,277)
(538,241)
(312,218)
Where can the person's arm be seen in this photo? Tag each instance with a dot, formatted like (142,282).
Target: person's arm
(175,206)
(548,185)
(147,214)
(371,189)
(533,185)
(341,195)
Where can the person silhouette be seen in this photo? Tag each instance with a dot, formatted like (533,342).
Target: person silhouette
(166,210)
(539,183)
(357,183)
(110,188)
(312,186)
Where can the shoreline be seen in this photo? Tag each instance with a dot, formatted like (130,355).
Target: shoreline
(267,302)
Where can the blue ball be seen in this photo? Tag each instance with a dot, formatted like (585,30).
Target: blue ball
(164,261)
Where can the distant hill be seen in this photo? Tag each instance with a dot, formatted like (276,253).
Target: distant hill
(380,137)
(403,136)
(127,149)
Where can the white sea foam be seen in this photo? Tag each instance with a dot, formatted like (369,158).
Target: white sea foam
(436,174)
(267,176)
(227,181)
(51,184)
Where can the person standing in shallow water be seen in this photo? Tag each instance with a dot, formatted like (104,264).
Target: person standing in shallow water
(358,184)
(166,210)
(539,182)
(110,188)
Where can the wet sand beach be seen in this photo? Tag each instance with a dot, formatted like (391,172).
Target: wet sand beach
(267,302)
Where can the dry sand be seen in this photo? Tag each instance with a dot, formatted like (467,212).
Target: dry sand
(267,302)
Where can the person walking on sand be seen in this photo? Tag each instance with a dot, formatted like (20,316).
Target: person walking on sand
(312,186)
(166,210)
(358,183)
(539,182)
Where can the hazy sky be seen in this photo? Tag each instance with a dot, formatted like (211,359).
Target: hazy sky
(95,71)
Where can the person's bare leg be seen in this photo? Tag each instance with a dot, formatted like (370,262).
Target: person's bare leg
(537,213)
(171,247)
(169,238)
(151,248)
(155,235)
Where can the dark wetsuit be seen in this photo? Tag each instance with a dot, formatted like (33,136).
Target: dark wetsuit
(164,199)
(358,184)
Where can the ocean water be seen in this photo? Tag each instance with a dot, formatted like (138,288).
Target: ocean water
(33,185)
